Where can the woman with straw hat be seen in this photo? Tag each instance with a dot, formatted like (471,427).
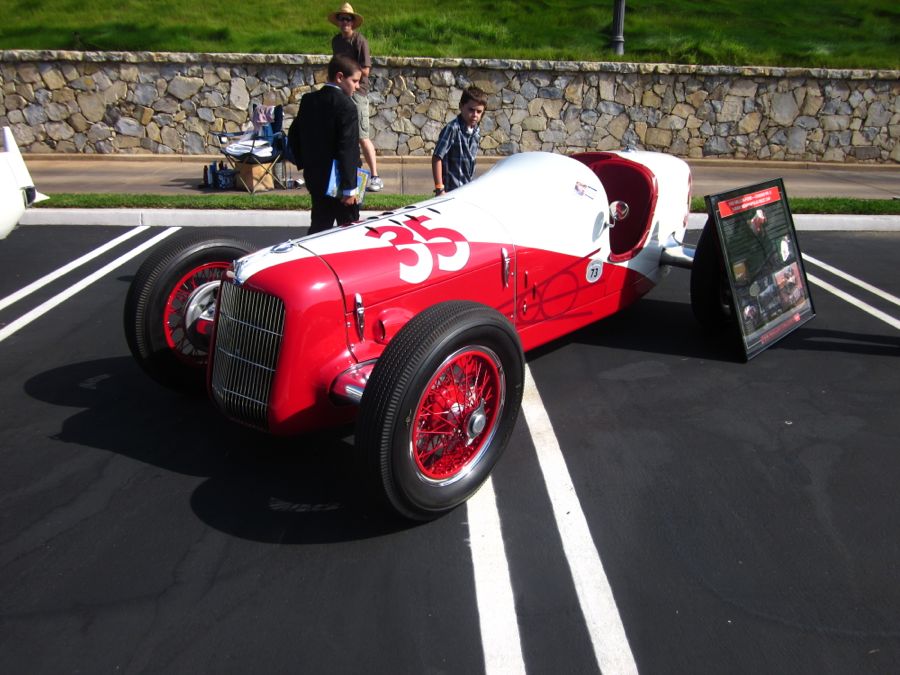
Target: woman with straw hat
(350,42)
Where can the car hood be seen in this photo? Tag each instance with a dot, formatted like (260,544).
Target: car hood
(531,200)
(395,253)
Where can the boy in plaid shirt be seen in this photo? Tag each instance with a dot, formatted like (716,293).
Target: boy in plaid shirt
(453,161)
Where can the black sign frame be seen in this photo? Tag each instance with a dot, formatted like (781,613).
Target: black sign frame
(763,263)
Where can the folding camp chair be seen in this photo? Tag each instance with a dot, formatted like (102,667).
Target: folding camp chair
(257,156)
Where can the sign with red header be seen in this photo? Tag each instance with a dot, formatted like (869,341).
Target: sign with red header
(743,203)
(769,290)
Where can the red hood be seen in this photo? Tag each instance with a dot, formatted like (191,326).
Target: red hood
(391,255)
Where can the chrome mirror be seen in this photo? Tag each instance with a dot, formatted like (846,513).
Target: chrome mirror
(618,210)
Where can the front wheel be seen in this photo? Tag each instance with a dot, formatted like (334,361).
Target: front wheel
(169,306)
(440,406)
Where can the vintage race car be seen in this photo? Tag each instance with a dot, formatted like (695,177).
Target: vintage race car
(414,322)
(16,187)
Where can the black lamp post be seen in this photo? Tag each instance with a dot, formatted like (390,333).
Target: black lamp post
(618,37)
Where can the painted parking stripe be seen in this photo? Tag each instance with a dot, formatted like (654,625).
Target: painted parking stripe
(65,269)
(884,295)
(611,648)
(856,302)
(60,298)
(493,589)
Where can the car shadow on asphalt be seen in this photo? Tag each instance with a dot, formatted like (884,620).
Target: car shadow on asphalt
(668,327)
(653,326)
(301,490)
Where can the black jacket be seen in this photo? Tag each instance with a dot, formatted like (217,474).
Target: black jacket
(327,128)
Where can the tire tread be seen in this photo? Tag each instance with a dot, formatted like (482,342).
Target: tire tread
(143,296)
(397,367)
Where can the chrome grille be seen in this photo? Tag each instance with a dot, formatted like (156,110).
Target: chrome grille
(248,339)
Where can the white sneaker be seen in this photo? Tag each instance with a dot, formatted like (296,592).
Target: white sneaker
(375,184)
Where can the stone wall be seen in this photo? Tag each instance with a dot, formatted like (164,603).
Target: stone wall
(117,102)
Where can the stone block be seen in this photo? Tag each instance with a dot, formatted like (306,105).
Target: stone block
(784,109)
(534,123)
(671,122)
(878,115)
(658,138)
(92,106)
(127,126)
(750,123)
(79,123)
(619,125)
(35,115)
(238,95)
(53,78)
(731,111)
(184,87)
(716,145)
(865,153)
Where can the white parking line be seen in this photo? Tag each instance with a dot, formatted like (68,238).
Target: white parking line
(611,648)
(59,298)
(877,313)
(65,269)
(853,280)
(493,589)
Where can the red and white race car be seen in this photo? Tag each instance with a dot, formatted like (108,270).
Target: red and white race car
(414,322)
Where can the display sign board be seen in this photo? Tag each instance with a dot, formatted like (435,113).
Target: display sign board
(762,262)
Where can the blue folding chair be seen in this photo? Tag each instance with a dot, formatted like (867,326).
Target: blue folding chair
(258,156)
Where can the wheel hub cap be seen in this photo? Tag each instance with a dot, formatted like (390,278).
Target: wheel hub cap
(190,297)
(477,423)
(457,415)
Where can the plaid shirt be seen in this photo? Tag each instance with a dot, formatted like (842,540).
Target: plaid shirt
(457,149)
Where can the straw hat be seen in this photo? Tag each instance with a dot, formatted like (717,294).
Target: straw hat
(346,8)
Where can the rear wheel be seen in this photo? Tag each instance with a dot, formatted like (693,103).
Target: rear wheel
(170,303)
(711,297)
(440,406)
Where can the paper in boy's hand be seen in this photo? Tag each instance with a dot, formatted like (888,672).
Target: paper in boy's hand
(362,179)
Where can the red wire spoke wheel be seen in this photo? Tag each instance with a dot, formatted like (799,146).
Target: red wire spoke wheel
(198,286)
(458,414)
(174,288)
(440,406)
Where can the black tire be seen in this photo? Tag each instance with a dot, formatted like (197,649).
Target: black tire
(710,291)
(161,346)
(425,465)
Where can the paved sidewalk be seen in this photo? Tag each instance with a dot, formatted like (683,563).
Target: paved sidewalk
(154,174)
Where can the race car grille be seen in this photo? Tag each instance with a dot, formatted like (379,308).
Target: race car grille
(248,339)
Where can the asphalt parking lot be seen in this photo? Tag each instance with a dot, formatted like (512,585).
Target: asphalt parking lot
(743,515)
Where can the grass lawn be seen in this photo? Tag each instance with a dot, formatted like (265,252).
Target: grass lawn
(385,202)
(818,33)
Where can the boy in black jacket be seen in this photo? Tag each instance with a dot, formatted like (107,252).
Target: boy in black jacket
(326,129)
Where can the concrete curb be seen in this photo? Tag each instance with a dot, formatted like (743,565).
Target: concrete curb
(166,217)
(299,219)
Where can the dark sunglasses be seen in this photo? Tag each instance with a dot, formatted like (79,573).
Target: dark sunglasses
(346,18)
